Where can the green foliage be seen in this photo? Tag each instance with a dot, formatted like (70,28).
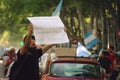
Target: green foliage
(14,13)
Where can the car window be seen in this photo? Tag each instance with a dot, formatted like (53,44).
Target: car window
(75,70)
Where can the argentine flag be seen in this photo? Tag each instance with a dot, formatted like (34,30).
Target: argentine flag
(90,40)
(58,9)
(82,51)
(118,53)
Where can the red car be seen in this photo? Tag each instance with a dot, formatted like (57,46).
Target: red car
(73,68)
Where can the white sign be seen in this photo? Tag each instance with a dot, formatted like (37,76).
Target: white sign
(49,30)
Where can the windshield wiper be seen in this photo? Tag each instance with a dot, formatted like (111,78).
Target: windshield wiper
(88,75)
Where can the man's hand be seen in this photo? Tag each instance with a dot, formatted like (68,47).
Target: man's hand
(30,26)
(65,29)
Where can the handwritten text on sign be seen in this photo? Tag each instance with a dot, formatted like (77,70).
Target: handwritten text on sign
(49,30)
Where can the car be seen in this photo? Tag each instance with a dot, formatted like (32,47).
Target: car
(73,68)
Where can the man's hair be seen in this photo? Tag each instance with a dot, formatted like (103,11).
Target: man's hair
(111,47)
(33,38)
(105,52)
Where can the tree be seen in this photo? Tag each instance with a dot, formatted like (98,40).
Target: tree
(79,16)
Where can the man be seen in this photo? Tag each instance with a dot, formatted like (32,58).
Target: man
(28,56)
(111,56)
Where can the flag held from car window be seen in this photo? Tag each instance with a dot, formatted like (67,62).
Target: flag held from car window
(82,51)
(90,40)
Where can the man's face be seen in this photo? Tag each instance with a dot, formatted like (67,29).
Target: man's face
(32,44)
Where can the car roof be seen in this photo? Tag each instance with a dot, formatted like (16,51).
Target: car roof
(71,59)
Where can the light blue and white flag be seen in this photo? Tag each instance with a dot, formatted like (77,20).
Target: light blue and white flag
(58,9)
(90,40)
(82,51)
(118,53)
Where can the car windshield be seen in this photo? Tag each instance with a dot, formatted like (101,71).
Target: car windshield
(81,70)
